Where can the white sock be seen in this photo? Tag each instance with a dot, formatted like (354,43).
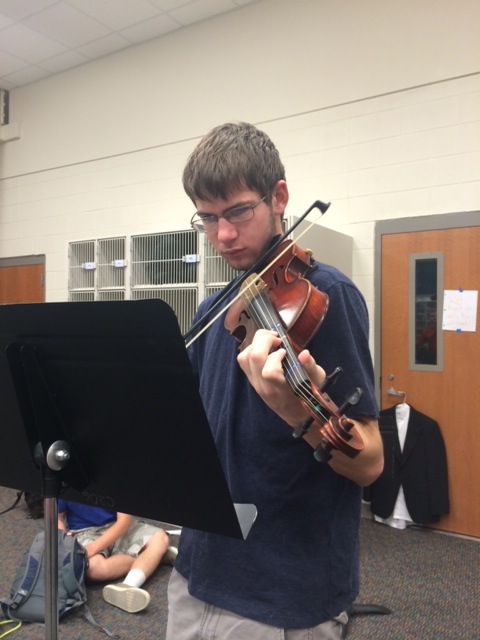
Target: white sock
(135,578)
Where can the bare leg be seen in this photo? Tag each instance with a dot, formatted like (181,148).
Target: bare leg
(152,553)
(128,595)
(117,566)
(102,569)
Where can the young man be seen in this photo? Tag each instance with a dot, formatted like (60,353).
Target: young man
(296,574)
(117,545)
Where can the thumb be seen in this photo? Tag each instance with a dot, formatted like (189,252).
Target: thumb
(313,370)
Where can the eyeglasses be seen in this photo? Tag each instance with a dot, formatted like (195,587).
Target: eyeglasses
(206,223)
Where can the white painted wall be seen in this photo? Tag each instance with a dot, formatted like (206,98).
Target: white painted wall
(374,105)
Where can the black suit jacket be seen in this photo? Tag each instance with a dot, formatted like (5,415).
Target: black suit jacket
(421,469)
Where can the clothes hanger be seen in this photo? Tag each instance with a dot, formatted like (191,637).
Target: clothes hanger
(398,394)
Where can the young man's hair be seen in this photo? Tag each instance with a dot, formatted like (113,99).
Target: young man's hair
(230,158)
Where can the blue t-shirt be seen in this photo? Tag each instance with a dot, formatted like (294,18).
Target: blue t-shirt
(298,566)
(82,516)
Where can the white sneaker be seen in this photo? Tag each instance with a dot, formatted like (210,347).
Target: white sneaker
(130,599)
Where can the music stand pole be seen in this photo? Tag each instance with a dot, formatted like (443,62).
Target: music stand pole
(51,569)
(44,430)
(55,460)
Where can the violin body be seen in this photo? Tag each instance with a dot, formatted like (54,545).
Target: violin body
(282,300)
(300,306)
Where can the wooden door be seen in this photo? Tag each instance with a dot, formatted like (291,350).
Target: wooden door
(445,387)
(22,283)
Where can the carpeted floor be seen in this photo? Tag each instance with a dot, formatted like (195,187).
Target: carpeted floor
(428,580)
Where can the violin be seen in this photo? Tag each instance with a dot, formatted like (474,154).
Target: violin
(284,301)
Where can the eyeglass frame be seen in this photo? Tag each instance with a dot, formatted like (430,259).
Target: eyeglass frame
(226,215)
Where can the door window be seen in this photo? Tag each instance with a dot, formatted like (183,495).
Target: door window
(425,295)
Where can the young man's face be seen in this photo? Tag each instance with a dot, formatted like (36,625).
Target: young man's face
(242,243)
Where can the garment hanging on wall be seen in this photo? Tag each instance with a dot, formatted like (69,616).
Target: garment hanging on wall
(413,487)
(400,517)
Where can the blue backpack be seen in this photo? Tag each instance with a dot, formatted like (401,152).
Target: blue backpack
(27,593)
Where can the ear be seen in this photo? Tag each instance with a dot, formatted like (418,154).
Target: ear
(279,198)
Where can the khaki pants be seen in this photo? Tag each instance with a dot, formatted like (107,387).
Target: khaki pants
(130,544)
(191,619)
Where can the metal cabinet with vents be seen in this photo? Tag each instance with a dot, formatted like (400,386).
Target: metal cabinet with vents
(97,270)
(166,266)
(179,267)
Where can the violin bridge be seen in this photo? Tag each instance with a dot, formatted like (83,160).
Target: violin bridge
(252,287)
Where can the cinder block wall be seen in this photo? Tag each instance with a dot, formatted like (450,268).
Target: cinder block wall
(368,106)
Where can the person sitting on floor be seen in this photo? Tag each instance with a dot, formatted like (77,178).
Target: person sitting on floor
(117,545)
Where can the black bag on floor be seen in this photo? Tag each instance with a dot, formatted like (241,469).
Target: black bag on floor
(34,505)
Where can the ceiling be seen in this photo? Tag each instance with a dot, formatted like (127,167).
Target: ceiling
(39,38)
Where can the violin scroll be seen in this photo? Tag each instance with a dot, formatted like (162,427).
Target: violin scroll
(339,433)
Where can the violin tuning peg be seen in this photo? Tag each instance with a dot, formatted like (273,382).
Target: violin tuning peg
(351,400)
(302,428)
(321,455)
(331,379)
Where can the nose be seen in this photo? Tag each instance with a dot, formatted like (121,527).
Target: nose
(226,230)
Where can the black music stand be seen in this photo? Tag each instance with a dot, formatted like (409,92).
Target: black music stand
(98,403)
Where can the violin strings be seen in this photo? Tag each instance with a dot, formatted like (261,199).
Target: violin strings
(293,369)
(265,316)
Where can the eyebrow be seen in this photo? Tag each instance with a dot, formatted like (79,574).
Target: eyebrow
(239,205)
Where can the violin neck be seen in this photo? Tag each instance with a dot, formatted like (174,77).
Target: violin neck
(266,317)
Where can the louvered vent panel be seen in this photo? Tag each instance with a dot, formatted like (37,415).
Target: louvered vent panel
(81,296)
(164,259)
(183,301)
(166,266)
(81,265)
(116,294)
(111,264)
(210,290)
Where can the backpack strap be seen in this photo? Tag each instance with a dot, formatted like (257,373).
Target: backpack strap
(32,569)
(87,614)
(72,582)
(75,583)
